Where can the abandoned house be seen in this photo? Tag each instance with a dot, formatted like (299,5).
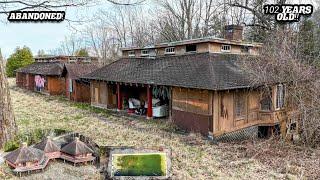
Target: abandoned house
(195,83)
(25,159)
(58,75)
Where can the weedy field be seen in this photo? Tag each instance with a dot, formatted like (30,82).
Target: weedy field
(193,157)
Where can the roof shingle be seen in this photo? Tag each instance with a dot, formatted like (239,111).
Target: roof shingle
(43,68)
(202,71)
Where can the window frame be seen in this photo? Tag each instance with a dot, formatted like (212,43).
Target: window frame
(145,54)
(169,52)
(280,96)
(266,96)
(237,96)
(225,45)
(196,48)
(131,53)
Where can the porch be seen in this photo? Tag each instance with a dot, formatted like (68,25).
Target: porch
(148,101)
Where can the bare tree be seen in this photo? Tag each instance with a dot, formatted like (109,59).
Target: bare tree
(102,43)
(280,61)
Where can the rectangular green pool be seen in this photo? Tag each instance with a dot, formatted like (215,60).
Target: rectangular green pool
(146,164)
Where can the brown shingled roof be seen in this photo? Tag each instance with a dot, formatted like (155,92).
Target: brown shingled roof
(43,68)
(77,70)
(24,154)
(76,147)
(47,145)
(202,71)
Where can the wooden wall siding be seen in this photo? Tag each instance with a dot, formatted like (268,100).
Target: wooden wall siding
(216,48)
(99,93)
(224,121)
(190,100)
(81,92)
(112,97)
(20,79)
(192,109)
(192,122)
(56,85)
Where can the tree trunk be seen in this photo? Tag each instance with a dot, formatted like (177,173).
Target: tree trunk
(8,126)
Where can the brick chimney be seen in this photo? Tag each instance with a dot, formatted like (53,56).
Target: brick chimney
(233,32)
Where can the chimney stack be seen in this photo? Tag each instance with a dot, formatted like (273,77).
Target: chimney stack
(233,32)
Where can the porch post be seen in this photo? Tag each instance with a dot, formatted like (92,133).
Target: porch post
(149,110)
(119,97)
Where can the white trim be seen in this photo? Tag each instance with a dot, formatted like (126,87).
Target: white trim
(130,54)
(225,45)
(170,52)
(145,54)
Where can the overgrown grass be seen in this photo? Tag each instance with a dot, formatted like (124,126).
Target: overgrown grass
(192,158)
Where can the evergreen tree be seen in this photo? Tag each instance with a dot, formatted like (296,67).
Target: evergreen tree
(20,58)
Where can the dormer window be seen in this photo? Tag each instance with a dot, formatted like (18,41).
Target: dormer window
(191,48)
(225,48)
(131,54)
(169,50)
(145,52)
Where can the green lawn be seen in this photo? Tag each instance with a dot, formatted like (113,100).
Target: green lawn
(140,164)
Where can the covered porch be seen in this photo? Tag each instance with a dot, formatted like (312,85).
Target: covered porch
(151,101)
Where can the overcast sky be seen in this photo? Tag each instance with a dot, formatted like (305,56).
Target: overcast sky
(47,36)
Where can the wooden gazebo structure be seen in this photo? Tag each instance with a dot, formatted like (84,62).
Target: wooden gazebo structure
(49,147)
(26,159)
(77,152)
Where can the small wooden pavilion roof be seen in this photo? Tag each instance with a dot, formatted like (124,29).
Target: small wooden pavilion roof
(76,147)
(24,154)
(47,145)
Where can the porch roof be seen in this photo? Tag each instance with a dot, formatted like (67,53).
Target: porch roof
(202,71)
(43,68)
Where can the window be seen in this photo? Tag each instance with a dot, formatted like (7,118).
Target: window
(266,102)
(240,105)
(169,50)
(131,54)
(244,49)
(225,48)
(280,96)
(145,52)
(191,48)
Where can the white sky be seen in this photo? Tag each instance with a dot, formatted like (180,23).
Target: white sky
(46,36)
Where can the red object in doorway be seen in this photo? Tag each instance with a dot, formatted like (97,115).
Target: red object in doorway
(119,97)
(149,94)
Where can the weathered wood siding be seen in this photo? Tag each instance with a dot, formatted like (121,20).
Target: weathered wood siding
(100,94)
(192,109)
(224,117)
(56,85)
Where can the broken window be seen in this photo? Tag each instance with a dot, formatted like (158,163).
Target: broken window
(240,105)
(145,52)
(266,101)
(131,54)
(244,49)
(191,48)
